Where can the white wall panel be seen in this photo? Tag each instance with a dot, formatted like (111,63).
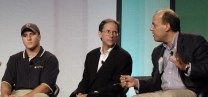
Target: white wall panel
(68,28)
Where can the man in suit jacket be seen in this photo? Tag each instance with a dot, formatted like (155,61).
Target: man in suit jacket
(180,63)
(104,65)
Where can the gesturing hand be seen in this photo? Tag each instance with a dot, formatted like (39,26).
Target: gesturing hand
(178,62)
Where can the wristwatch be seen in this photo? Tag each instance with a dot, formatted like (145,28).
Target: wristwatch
(186,69)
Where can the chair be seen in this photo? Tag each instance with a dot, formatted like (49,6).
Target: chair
(56,92)
(203,93)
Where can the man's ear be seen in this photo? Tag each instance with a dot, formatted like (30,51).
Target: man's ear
(39,37)
(167,27)
(100,35)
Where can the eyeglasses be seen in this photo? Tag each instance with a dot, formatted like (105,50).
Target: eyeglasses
(109,32)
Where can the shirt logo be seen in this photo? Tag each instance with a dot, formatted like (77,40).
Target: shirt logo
(39,66)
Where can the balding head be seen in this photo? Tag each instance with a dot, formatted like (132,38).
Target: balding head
(169,16)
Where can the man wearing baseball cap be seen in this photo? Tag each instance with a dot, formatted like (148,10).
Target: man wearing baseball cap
(32,72)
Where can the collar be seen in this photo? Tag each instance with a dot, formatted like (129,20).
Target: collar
(173,43)
(108,51)
(40,53)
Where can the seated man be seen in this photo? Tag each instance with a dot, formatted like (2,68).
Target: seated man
(32,72)
(180,62)
(104,65)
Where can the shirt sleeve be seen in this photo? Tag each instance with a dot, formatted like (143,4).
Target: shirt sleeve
(50,72)
(137,88)
(9,75)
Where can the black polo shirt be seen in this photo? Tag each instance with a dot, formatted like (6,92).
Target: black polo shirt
(24,74)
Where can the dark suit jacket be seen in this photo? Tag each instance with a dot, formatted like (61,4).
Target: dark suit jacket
(192,49)
(119,62)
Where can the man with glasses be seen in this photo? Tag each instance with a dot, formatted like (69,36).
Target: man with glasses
(104,65)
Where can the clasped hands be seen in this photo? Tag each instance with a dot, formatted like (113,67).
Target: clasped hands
(127,81)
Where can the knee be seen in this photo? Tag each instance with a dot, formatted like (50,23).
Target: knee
(40,95)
